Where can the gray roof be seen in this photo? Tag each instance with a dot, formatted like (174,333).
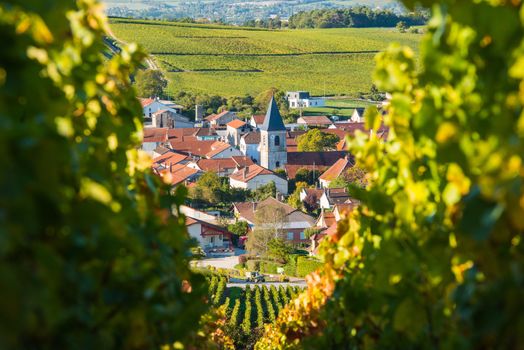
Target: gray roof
(273,120)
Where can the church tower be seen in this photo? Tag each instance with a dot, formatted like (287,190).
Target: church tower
(273,150)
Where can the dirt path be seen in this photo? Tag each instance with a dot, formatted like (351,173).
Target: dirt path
(150,61)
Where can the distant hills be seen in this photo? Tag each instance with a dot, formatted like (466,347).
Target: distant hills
(231,11)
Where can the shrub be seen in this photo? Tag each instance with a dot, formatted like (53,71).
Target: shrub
(242,259)
(269,267)
(253,265)
(306,265)
(290,268)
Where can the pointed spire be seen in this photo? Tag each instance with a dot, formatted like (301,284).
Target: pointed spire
(273,120)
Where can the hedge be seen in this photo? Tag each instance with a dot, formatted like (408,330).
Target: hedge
(306,265)
(269,267)
(290,268)
(253,265)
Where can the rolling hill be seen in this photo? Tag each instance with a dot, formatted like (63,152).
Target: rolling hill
(233,61)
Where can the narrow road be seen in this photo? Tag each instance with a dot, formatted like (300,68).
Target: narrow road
(301,284)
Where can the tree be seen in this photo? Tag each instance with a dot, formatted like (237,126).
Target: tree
(310,231)
(263,99)
(150,83)
(310,203)
(308,176)
(208,188)
(356,176)
(294,199)
(239,228)
(269,224)
(265,191)
(279,249)
(91,256)
(402,26)
(316,141)
(429,257)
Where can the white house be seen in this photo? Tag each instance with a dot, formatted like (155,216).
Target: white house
(257,120)
(235,129)
(333,196)
(166,118)
(152,105)
(250,146)
(254,176)
(358,115)
(208,235)
(301,99)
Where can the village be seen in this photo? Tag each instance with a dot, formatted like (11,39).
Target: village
(257,200)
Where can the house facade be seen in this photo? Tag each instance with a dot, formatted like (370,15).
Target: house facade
(250,146)
(302,99)
(254,176)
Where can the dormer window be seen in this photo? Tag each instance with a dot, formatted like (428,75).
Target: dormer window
(277,140)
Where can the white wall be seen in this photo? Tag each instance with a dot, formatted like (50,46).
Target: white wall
(251,150)
(195,231)
(227,153)
(324,203)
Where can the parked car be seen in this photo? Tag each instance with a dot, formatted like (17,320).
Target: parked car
(255,277)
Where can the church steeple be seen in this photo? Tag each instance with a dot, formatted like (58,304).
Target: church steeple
(273,120)
(273,149)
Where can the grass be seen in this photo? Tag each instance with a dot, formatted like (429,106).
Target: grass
(343,107)
(233,61)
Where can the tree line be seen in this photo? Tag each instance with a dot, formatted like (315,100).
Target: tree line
(355,17)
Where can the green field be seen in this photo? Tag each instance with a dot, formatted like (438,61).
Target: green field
(233,61)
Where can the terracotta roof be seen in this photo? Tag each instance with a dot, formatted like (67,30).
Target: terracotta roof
(259,118)
(315,120)
(326,219)
(146,101)
(344,208)
(251,138)
(155,135)
(247,209)
(250,172)
(216,230)
(318,161)
(194,147)
(331,230)
(204,148)
(242,161)
(235,124)
(212,117)
(336,169)
(216,148)
(161,150)
(216,165)
(178,173)
(169,158)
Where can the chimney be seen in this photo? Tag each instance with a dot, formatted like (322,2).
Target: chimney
(254,206)
(199,113)
(170,167)
(245,172)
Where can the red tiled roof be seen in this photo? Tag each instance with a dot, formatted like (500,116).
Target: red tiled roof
(216,148)
(178,173)
(259,118)
(195,147)
(318,161)
(155,135)
(242,161)
(146,101)
(248,173)
(235,124)
(336,169)
(326,219)
(169,158)
(212,117)
(216,165)
(315,120)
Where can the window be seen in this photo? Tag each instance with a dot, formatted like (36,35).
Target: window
(277,140)
(302,235)
(290,236)
(212,239)
(277,164)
